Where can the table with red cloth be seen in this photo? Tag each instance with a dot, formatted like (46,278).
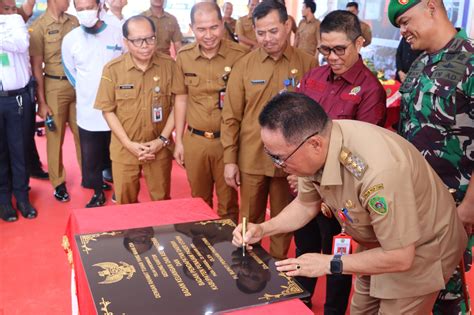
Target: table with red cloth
(393,102)
(93,220)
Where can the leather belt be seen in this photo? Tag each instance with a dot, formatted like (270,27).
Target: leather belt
(205,134)
(13,92)
(55,77)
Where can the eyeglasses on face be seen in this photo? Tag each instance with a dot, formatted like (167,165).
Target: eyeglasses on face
(139,42)
(338,50)
(280,162)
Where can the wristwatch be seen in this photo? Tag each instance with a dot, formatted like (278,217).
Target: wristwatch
(166,141)
(336,265)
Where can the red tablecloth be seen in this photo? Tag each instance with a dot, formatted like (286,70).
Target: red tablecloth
(148,214)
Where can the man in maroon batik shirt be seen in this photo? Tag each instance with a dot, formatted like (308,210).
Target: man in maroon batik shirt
(346,89)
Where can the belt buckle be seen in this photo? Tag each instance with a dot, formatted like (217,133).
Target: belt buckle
(209,135)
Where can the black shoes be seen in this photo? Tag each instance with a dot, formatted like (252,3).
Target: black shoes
(27,210)
(107,175)
(39,174)
(98,200)
(8,213)
(60,193)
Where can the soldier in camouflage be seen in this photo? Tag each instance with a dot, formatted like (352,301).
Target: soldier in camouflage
(437,115)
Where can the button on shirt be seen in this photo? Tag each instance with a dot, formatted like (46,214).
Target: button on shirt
(201,79)
(419,209)
(128,91)
(84,56)
(46,35)
(15,70)
(255,79)
(356,94)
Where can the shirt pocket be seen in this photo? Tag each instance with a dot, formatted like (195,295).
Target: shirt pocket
(437,102)
(191,82)
(127,100)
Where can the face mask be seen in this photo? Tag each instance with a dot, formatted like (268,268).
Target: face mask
(88,18)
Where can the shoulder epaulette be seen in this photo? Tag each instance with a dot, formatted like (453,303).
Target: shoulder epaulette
(354,164)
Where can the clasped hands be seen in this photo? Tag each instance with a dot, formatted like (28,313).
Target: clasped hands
(145,151)
(308,265)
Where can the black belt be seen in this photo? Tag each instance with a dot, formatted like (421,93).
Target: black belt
(55,77)
(13,92)
(205,134)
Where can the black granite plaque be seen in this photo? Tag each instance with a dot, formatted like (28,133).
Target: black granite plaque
(189,268)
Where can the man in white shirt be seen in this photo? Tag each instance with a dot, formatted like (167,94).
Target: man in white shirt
(15,73)
(85,51)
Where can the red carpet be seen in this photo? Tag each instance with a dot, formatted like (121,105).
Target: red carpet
(34,272)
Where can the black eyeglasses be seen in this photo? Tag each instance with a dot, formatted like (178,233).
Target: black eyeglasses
(338,50)
(281,162)
(139,42)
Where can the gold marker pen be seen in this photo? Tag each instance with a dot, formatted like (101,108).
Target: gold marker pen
(244,231)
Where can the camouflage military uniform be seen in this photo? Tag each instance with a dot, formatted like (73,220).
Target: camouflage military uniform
(437,116)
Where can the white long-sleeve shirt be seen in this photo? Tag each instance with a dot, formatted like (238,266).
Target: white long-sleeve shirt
(84,56)
(15,69)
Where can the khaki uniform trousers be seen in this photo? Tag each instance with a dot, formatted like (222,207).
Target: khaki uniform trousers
(254,191)
(157,177)
(364,304)
(204,162)
(61,98)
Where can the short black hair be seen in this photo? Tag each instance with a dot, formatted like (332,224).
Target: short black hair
(295,115)
(341,21)
(267,6)
(137,18)
(352,4)
(202,6)
(310,4)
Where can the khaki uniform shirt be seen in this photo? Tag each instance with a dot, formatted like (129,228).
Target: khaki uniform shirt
(230,26)
(366,33)
(244,26)
(255,79)
(46,37)
(129,92)
(202,79)
(307,35)
(167,31)
(366,164)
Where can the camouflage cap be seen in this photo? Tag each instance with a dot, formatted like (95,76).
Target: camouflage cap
(398,7)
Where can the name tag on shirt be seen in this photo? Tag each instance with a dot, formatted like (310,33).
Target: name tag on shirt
(126,87)
(53,32)
(257,81)
(4,60)
(188,74)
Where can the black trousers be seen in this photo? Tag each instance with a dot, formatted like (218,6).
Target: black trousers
(32,157)
(95,150)
(13,174)
(316,237)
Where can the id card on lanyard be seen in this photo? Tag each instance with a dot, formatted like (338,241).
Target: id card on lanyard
(341,243)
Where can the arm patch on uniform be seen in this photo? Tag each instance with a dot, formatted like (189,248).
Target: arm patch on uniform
(378,205)
(371,191)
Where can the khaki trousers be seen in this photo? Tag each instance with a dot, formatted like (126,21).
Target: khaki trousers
(364,304)
(61,98)
(254,192)
(127,179)
(205,168)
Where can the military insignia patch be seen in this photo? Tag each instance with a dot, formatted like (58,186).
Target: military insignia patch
(378,205)
(354,164)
